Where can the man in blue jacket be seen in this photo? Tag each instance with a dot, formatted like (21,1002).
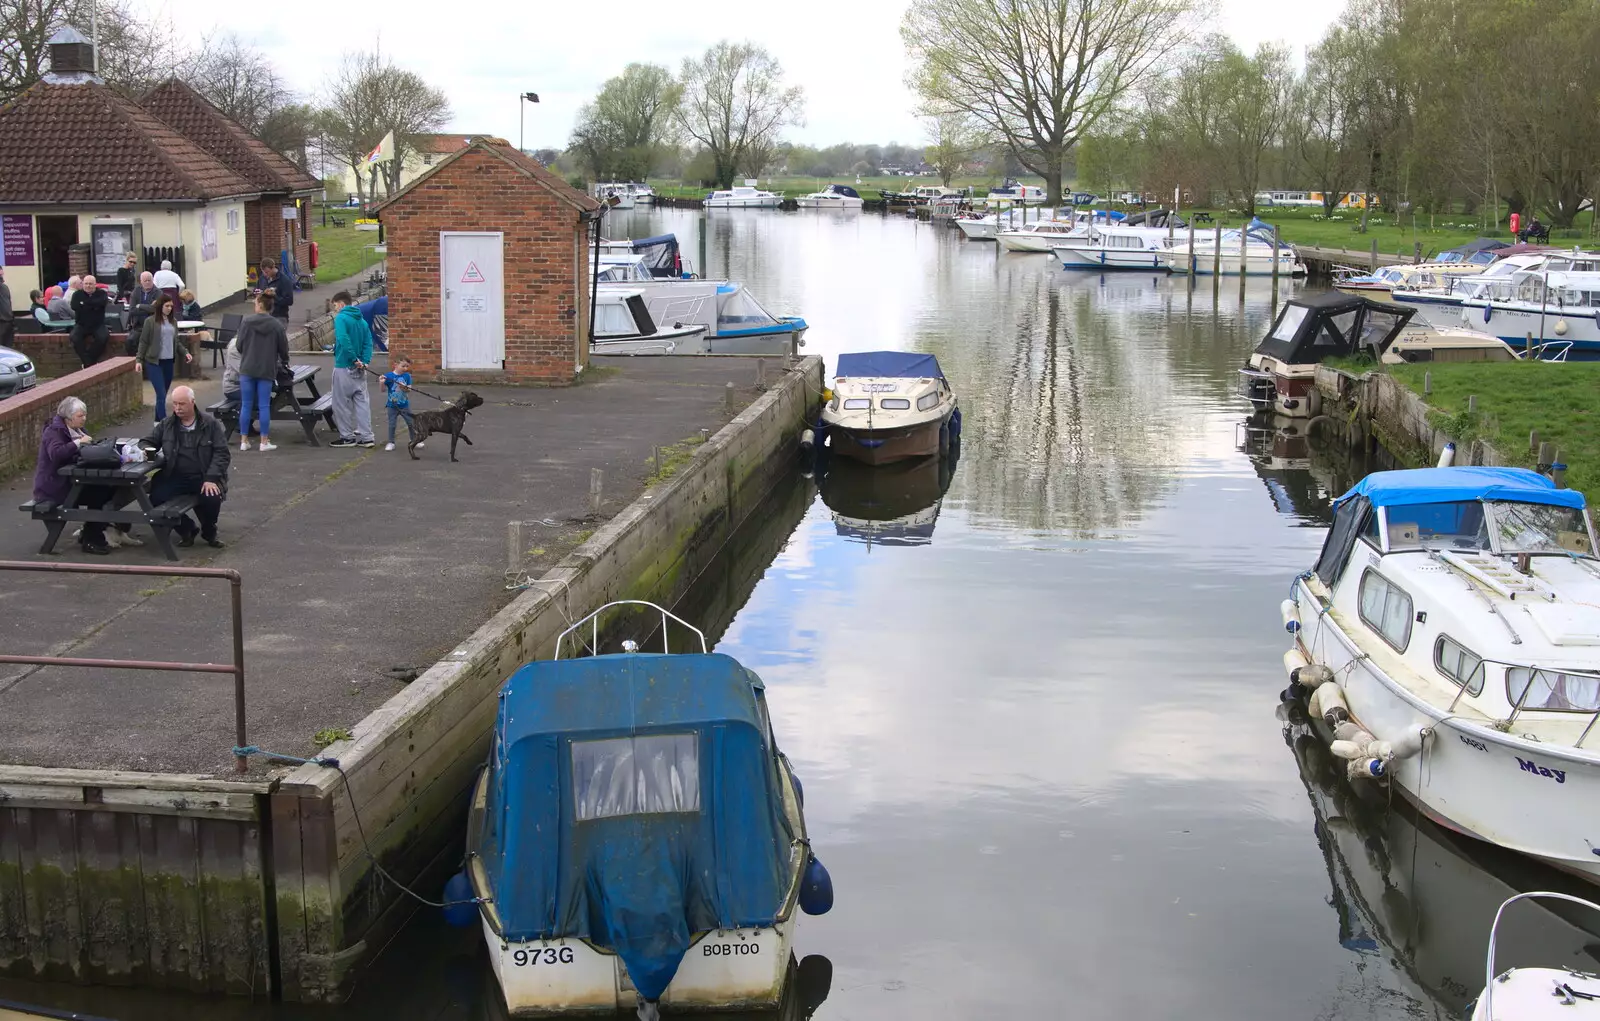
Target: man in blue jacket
(352,350)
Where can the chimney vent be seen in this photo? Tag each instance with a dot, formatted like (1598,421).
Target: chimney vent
(71,56)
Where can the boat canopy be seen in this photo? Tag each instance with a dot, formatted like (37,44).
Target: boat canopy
(1413,486)
(1482,251)
(892,364)
(1317,327)
(660,254)
(842,189)
(634,800)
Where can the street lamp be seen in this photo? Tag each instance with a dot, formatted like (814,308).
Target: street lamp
(532,97)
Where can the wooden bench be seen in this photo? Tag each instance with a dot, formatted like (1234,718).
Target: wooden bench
(226,411)
(162,519)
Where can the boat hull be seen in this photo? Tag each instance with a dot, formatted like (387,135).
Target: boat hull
(761,203)
(1514,324)
(1027,242)
(885,446)
(1256,263)
(807,202)
(978,230)
(1093,258)
(1496,787)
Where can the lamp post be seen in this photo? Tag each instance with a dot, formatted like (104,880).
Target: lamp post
(531,97)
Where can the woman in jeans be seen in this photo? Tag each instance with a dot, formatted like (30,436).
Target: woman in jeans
(159,346)
(263,349)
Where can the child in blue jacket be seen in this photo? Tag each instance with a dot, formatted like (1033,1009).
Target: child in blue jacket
(395,384)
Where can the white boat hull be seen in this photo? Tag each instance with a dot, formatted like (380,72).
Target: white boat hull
(978,230)
(1094,257)
(1513,323)
(808,202)
(759,203)
(1256,263)
(1501,788)
(735,968)
(1024,241)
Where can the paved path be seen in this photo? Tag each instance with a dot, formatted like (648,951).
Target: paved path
(312,304)
(354,562)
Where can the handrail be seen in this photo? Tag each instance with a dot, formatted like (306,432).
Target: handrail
(593,619)
(1489,975)
(241,763)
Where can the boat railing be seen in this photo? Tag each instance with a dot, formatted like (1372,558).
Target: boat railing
(1489,974)
(593,621)
(1518,706)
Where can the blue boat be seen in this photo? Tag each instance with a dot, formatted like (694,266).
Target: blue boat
(637,839)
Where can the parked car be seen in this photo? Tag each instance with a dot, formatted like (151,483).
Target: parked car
(16,372)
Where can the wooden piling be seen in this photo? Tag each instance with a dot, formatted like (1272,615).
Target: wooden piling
(1416,251)
(1244,268)
(1547,454)
(1190,268)
(1216,262)
(1558,471)
(1427,383)
(1533,441)
(1275,249)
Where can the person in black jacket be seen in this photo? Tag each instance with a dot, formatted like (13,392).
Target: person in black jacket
(282,287)
(139,308)
(194,446)
(127,276)
(89,333)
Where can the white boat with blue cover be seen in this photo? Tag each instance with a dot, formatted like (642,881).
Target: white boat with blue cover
(1449,635)
(890,406)
(734,321)
(637,839)
(834,196)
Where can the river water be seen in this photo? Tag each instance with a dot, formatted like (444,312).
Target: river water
(1034,700)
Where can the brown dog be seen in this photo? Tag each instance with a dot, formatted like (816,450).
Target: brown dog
(451,418)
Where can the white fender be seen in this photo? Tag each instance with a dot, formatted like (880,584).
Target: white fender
(1348,749)
(1410,741)
(1380,750)
(1291,615)
(1314,676)
(1365,769)
(1327,699)
(1294,660)
(1349,730)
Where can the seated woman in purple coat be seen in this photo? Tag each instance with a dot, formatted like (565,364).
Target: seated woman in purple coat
(58,447)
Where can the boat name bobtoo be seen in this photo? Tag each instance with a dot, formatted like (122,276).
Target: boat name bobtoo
(725,949)
(1558,775)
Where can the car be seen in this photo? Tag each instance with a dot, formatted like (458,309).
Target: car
(17,372)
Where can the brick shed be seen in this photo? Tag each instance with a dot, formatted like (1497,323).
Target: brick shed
(489,270)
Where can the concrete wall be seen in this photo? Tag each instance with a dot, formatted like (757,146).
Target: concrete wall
(1376,408)
(411,762)
(111,389)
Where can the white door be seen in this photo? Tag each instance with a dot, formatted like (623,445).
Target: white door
(472,282)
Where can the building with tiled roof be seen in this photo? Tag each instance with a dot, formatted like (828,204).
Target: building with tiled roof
(269,230)
(430,151)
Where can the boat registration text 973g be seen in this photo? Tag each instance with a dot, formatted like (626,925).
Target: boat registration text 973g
(541,955)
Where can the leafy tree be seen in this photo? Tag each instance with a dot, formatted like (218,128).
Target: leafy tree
(954,139)
(735,103)
(628,128)
(368,97)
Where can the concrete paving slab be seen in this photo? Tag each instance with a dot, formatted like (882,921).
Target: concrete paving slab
(354,562)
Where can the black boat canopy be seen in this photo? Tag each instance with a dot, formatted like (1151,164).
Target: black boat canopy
(1322,326)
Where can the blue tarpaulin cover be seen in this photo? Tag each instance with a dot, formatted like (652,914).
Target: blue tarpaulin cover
(1444,485)
(633,801)
(894,364)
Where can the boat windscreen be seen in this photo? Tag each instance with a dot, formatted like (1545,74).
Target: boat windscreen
(1280,342)
(660,254)
(1539,528)
(739,311)
(1347,523)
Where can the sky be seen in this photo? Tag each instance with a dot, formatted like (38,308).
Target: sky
(848,59)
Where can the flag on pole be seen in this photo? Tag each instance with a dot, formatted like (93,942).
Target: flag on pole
(384,152)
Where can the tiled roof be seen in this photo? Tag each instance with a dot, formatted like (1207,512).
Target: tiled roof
(443,143)
(85,144)
(521,161)
(193,116)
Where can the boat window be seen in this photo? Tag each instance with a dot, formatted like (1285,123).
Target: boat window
(927,401)
(739,311)
(1377,326)
(894,404)
(1386,609)
(635,776)
(1553,690)
(1289,321)
(1457,525)
(1347,522)
(1538,528)
(1458,663)
(1345,322)
(857,404)
(612,319)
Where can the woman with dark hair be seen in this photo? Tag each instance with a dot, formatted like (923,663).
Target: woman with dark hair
(159,345)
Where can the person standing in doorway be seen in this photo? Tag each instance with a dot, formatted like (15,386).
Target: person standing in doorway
(282,287)
(8,321)
(89,332)
(352,350)
(263,349)
(159,347)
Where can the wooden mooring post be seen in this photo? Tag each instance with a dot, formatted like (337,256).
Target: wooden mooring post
(1216,264)
(1191,267)
(1244,269)
(1373,261)
(1275,248)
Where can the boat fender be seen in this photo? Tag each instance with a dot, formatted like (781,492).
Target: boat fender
(1447,456)
(808,439)
(1314,676)
(1366,769)
(1351,731)
(1561,327)
(1347,749)
(816,888)
(1291,615)
(1328,702)
(1293,662)
(459,908)
(799,791)
(1381,750)
(1410,741)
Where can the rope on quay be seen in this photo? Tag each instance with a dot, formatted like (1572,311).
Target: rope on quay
(333,763)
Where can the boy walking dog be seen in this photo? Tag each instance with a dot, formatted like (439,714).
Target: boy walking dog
(397,400)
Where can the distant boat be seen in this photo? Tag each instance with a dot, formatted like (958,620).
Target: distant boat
(618,195)
(979,228)
(623,325)
(834,196)
(1014,193)
(1114,248)
(743,196)
(1257,256)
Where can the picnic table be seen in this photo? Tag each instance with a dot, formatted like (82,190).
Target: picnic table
(131,483)
(58,325)
(289,404)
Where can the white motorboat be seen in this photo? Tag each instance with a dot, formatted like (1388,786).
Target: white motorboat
(979,228)
(623,325)
(1537,994)
(1448,635)
(1039,235)
(890,406)
(1420,276)
(834,196)
(617,267)
(1440,304)
(732,320)
(643,194)
(1114,248)
(1548,306)
(1014,193)
(1281,373)
(619,195)
(1419,342)
(743,196)
(1257,258)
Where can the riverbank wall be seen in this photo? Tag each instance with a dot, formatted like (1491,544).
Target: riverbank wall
(1375,409)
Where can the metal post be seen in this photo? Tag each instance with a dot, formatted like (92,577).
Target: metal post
(1275,249)
(761,372)
(241,764)
(1374,258)
(596,481)
(1190,267)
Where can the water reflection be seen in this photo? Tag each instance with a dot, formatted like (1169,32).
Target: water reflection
(888,505)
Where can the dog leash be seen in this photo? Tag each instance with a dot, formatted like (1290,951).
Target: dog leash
(411,389)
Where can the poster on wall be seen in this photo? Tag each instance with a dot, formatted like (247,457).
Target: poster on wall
(111,241)
(16,241)
(208,235)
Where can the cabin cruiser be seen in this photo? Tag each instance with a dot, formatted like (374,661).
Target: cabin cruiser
(734,321)
(1420,276)
(1480,252)
(1544,305)
(1015,194)
(1038,235)
(1115,247)
(834,196)
(637,841)
(613,267)
(660,253)
(1441,305)
(1419,342)
(1257,260)
(890,406)
(1447,636)
(615,194)
(888,505)
(623,325)
(743,196)
(979,228)
(1281,373)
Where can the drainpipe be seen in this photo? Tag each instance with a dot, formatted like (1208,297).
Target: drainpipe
(594,279)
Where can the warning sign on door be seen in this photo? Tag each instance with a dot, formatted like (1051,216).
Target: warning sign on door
(474,303)
(473,275)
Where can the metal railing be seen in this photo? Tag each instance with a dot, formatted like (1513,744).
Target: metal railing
(241,763)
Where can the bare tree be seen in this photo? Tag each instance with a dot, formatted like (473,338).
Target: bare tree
(953,139)
(238,79)
(367,98)
(134,53)
(1256,96)
(735,103)
(1326,126)
(1038,73)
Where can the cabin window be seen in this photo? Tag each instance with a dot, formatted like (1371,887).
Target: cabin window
(1386,609)
(1378,325)
(1345,322)
(1553,690)
(641,775)
(1458,525)
(1539,528)
(1289,322)
(927,401)
(613,320)
(894,404)
(857,404)
(1458,663)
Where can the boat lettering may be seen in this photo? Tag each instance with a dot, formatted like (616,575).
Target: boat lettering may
(1559,775)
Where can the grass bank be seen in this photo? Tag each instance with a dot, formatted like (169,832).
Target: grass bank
(1515,398)
(342,251)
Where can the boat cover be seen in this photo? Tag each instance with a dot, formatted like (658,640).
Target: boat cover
(634,801)
(1480,245)
(1314,327)
(842,189)
(660,253)
(1413,486)
(893,364)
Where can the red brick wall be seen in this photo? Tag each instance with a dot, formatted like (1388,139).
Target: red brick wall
(263,233)
(111,389)
(546,278)
(52,354)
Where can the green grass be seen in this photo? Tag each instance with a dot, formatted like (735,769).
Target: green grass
(1515,398)
(341,250)
(674,458)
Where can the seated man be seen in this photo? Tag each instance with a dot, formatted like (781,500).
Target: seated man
(195,447)
(60,307)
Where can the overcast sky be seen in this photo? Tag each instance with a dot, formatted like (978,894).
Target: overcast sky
(848,58)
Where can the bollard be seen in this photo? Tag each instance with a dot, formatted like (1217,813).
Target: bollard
(1427,383)
(1547,454)
(1472,404)
(1558,472)
(513,546)
(761,372)
(727,399)
(1533,441)
(596,484)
